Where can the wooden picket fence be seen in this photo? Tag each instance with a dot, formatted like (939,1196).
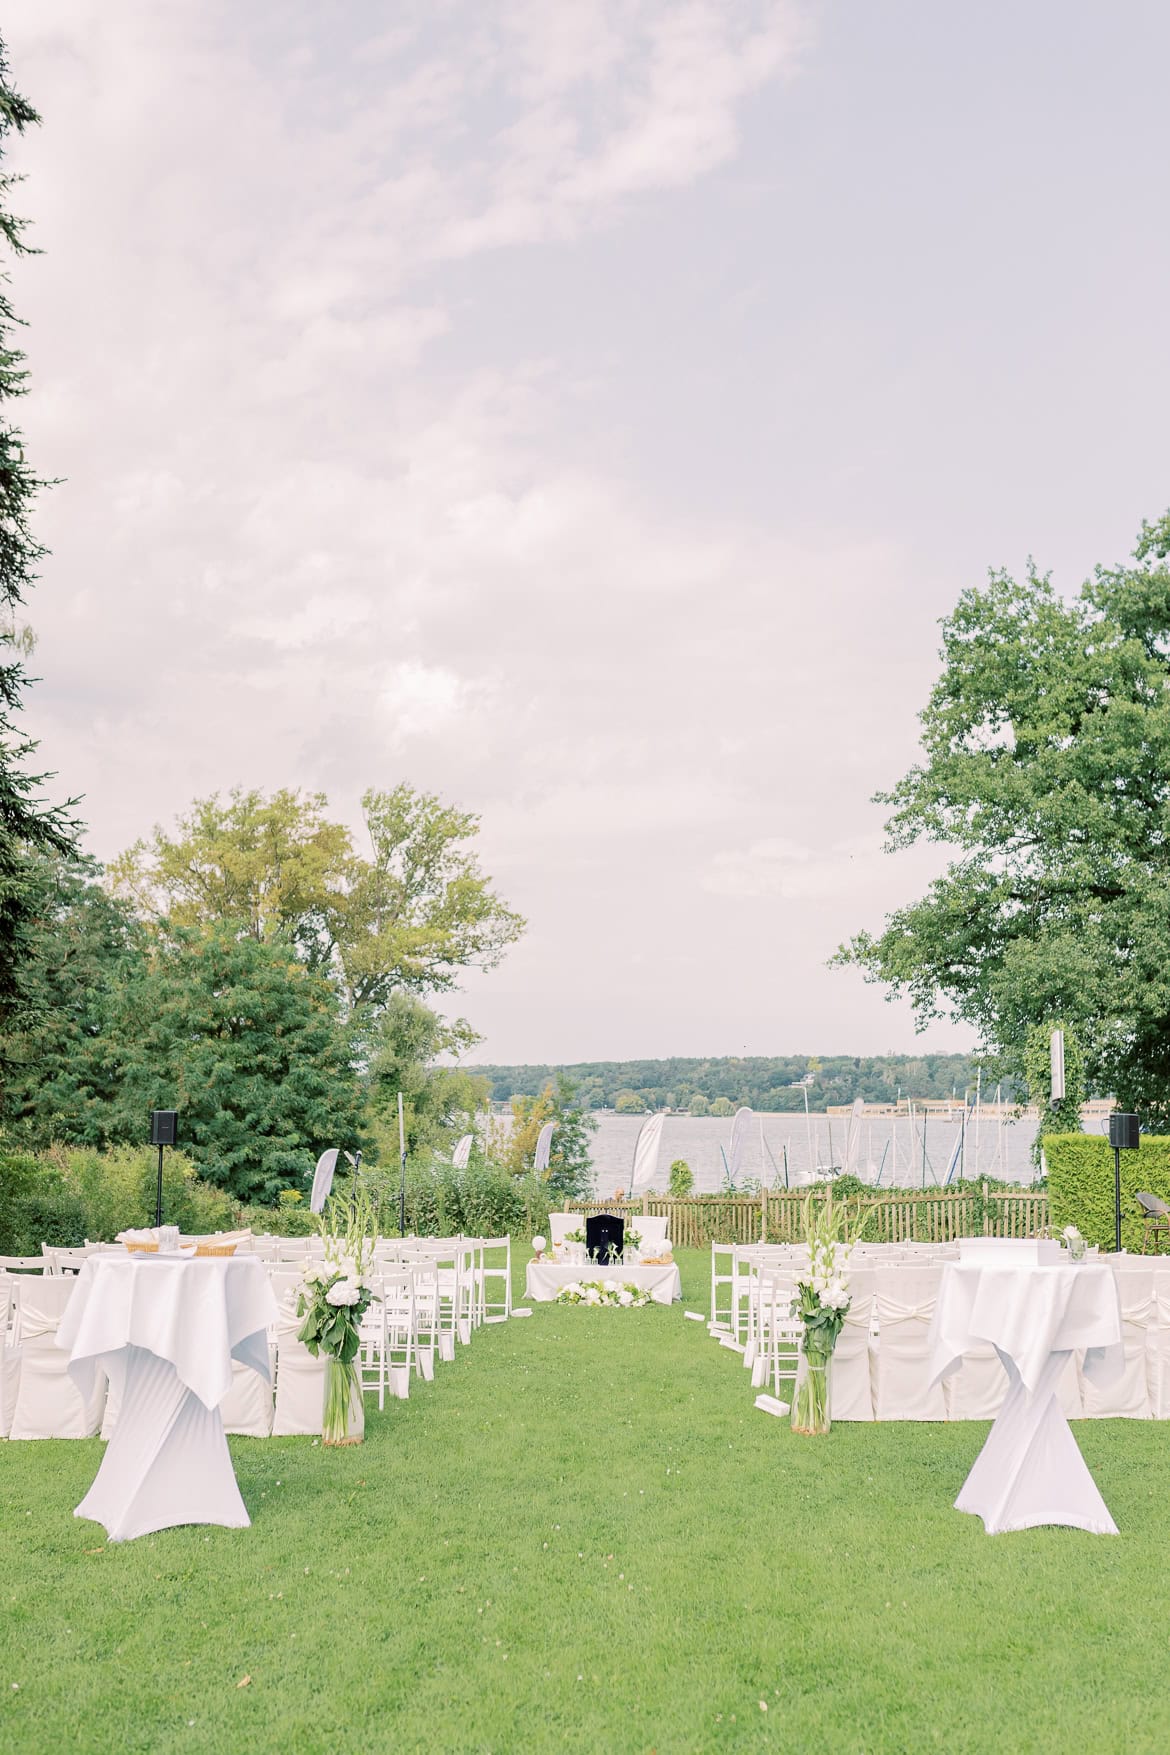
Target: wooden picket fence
(898,1216)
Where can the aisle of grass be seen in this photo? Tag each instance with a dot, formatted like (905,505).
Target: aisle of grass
(583,1537)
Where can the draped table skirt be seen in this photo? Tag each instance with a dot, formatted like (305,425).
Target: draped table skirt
(1030,1470)
(167,1462)
(544,1279)
(166,1332)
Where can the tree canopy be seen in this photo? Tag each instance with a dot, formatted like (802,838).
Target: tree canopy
(26,822)
(1046,766)
(408,917)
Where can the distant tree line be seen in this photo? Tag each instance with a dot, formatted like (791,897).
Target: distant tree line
(719,1085)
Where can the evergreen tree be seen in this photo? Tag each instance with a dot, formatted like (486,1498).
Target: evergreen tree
(26,822)
(80,947)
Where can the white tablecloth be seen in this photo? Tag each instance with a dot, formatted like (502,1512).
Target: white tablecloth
(544,1279)
(1030,1471)
(165,1332)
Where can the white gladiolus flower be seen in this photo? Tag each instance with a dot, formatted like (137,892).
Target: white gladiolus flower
(312,1273)
(1070,1233)
(834,1296)
(344,1292)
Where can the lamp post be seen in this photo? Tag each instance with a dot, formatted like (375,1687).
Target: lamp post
(1124,1136)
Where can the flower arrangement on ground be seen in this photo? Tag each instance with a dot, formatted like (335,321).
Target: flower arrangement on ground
(604,1292)
(822,1305)
(334,1297)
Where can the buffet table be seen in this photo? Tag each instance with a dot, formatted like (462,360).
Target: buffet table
(165,1331)
(1036,1317)
(544,1279)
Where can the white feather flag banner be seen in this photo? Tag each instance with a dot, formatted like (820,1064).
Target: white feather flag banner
(544,1146)
(739,1137)
(853,1136)
(646,1153)
(462,1152)
(323,1180)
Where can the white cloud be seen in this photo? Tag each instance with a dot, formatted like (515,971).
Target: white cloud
(333,517)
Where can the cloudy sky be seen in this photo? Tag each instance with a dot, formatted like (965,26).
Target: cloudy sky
(586,412)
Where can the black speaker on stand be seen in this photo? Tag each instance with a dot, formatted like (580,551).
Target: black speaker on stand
(1125,1135)
(164,1131)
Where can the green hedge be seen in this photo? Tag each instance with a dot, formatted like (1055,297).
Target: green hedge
(1080,1184)
(70,1193)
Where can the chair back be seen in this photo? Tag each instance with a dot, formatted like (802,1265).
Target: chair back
(40,1305)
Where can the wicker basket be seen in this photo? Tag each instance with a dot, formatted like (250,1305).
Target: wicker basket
(141,1248)
(215,1249)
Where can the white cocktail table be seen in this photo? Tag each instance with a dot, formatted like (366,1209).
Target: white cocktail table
(544,1279)
(165,1331)
(1036,1317)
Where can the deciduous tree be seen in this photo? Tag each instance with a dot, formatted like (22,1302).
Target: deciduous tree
(1046,768)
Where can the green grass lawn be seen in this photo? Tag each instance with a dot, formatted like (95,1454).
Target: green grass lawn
(583,1536)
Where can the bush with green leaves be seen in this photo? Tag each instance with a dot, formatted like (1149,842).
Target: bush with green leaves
(682,1178)
(1080,1184)
(441,1201)
(68,1194)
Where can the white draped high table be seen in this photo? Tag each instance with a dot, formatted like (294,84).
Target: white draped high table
(165,1331)
(544,1279)
(1036,1317)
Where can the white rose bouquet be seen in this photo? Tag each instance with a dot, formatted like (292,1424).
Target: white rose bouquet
(822,1304)
(611,1293)
(335,1295)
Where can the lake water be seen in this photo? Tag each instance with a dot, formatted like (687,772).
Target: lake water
(888,1147)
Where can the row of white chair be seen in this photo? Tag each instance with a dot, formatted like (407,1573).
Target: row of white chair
(881,1368)
(429,1295)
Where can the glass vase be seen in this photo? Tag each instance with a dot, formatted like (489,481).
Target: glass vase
(810,1398)
(343,1420)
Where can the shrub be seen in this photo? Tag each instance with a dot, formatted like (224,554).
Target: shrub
(280,1221)
(682,1178)
(480,1201)
(1080,1184)
(68,1194)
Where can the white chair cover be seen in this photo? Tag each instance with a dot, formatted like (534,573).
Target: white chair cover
(1158,1346)
(300,1380)
(850,1386)
(48,1403)
(560,1223)
(902,1389)
(246,1409)
(1128,1397)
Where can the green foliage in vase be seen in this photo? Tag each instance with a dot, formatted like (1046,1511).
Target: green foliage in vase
(1046,767)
